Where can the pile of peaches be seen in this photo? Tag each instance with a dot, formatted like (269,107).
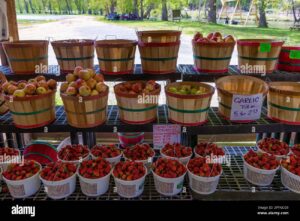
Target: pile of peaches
(214,37)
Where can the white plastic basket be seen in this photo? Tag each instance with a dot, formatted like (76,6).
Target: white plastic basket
(183,160)
(220,159)
(168,186)
(278,157)
(24,188)
(130,189)
(94,187)
(203,185)
(258,176)
(290,180)
(15,159)
(113,160)
(60,189)
(66,142)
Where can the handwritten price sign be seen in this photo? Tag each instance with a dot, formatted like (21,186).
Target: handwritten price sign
(246,107)
(163,134)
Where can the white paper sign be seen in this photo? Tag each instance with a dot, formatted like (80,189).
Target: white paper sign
(246,107)
(166,133)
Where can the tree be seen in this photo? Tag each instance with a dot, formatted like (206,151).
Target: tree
(212,11)
(262,14)
(164,11)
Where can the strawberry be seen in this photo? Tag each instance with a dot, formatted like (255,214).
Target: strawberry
(139,152)
(129,170)
(106,151)
(200,167)
(18,171)
(58,171)
(168,168)
(209,149)
(73,152)
(261,160)
(296,149)
(292,164)
(7,151)
(274,146)
(176,150)
(94,169)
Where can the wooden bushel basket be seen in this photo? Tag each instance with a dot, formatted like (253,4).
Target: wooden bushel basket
(284,102)
(189,110)
(73,53)
(116,56)
(134,112)
(32,111)
(3,104)
(251,56)
(237,85)
(86,112)
(212,57)
(286,63)
(25,56)
(159,36)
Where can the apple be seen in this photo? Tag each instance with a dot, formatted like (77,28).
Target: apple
(64,86)
(52,84)
(99,77)
(5,86)
(84,75)
(197,36)
(41,90)
(229,38)
(73,84)
(85,91)
(40,78)
(32,81)
(70,78)
(137,87)
(94,92)
(80,82)
(21,84)
(42,83)
(77,70)
(11,89)
(13,83)
(71,91)
(210,36)
(101,87)
(92,72)
(19,93)
(217,35)
(91,83)
(30,89)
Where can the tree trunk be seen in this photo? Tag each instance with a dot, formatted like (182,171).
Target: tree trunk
(142,10)
(135,8)
(31,7)
(148,11)
(212,11)
(164,11)
(294,12)
(20,7)
(26,6)
(262,14)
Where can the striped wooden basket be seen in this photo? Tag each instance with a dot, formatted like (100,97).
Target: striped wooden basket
(32,111)
(237,85)
(3,58)
(287,61)
(212,57)
(116,56)
(258,55)
(25,56)
(86,112)
(284,102)
(159,36)
(73,53)
(189,110)
(130,139)
(3,104)
(134,112)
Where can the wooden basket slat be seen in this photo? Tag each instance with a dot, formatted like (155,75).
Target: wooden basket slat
(159,36)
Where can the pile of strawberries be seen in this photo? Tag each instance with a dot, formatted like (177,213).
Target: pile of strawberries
(106,151)
(168,168)
(208,149)
(21,171)
(261,160)
(7,151)
(73,152)
(296,149)
(139,152)
(274,146)
(93,169)
(199,167)
(176,150)
(58,171)
(129,170)
(292,164)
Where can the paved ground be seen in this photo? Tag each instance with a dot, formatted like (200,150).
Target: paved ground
(68,27)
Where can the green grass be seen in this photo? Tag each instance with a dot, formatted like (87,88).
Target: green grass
(190,27)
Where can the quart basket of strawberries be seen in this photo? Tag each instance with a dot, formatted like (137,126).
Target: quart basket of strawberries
(260,168)
(85,97)
(168,176)
(137,101)
(94,176)
(140,153)
(75,153)
(177,151)
(210,151)
(203,176)
(59,179)
(110,152)
(274,147)
(129,178)
(22,179)
(296,150)
(7,156)
(290,173)
(31,103)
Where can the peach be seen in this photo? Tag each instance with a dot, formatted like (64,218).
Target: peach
(84,91)
(30,89)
